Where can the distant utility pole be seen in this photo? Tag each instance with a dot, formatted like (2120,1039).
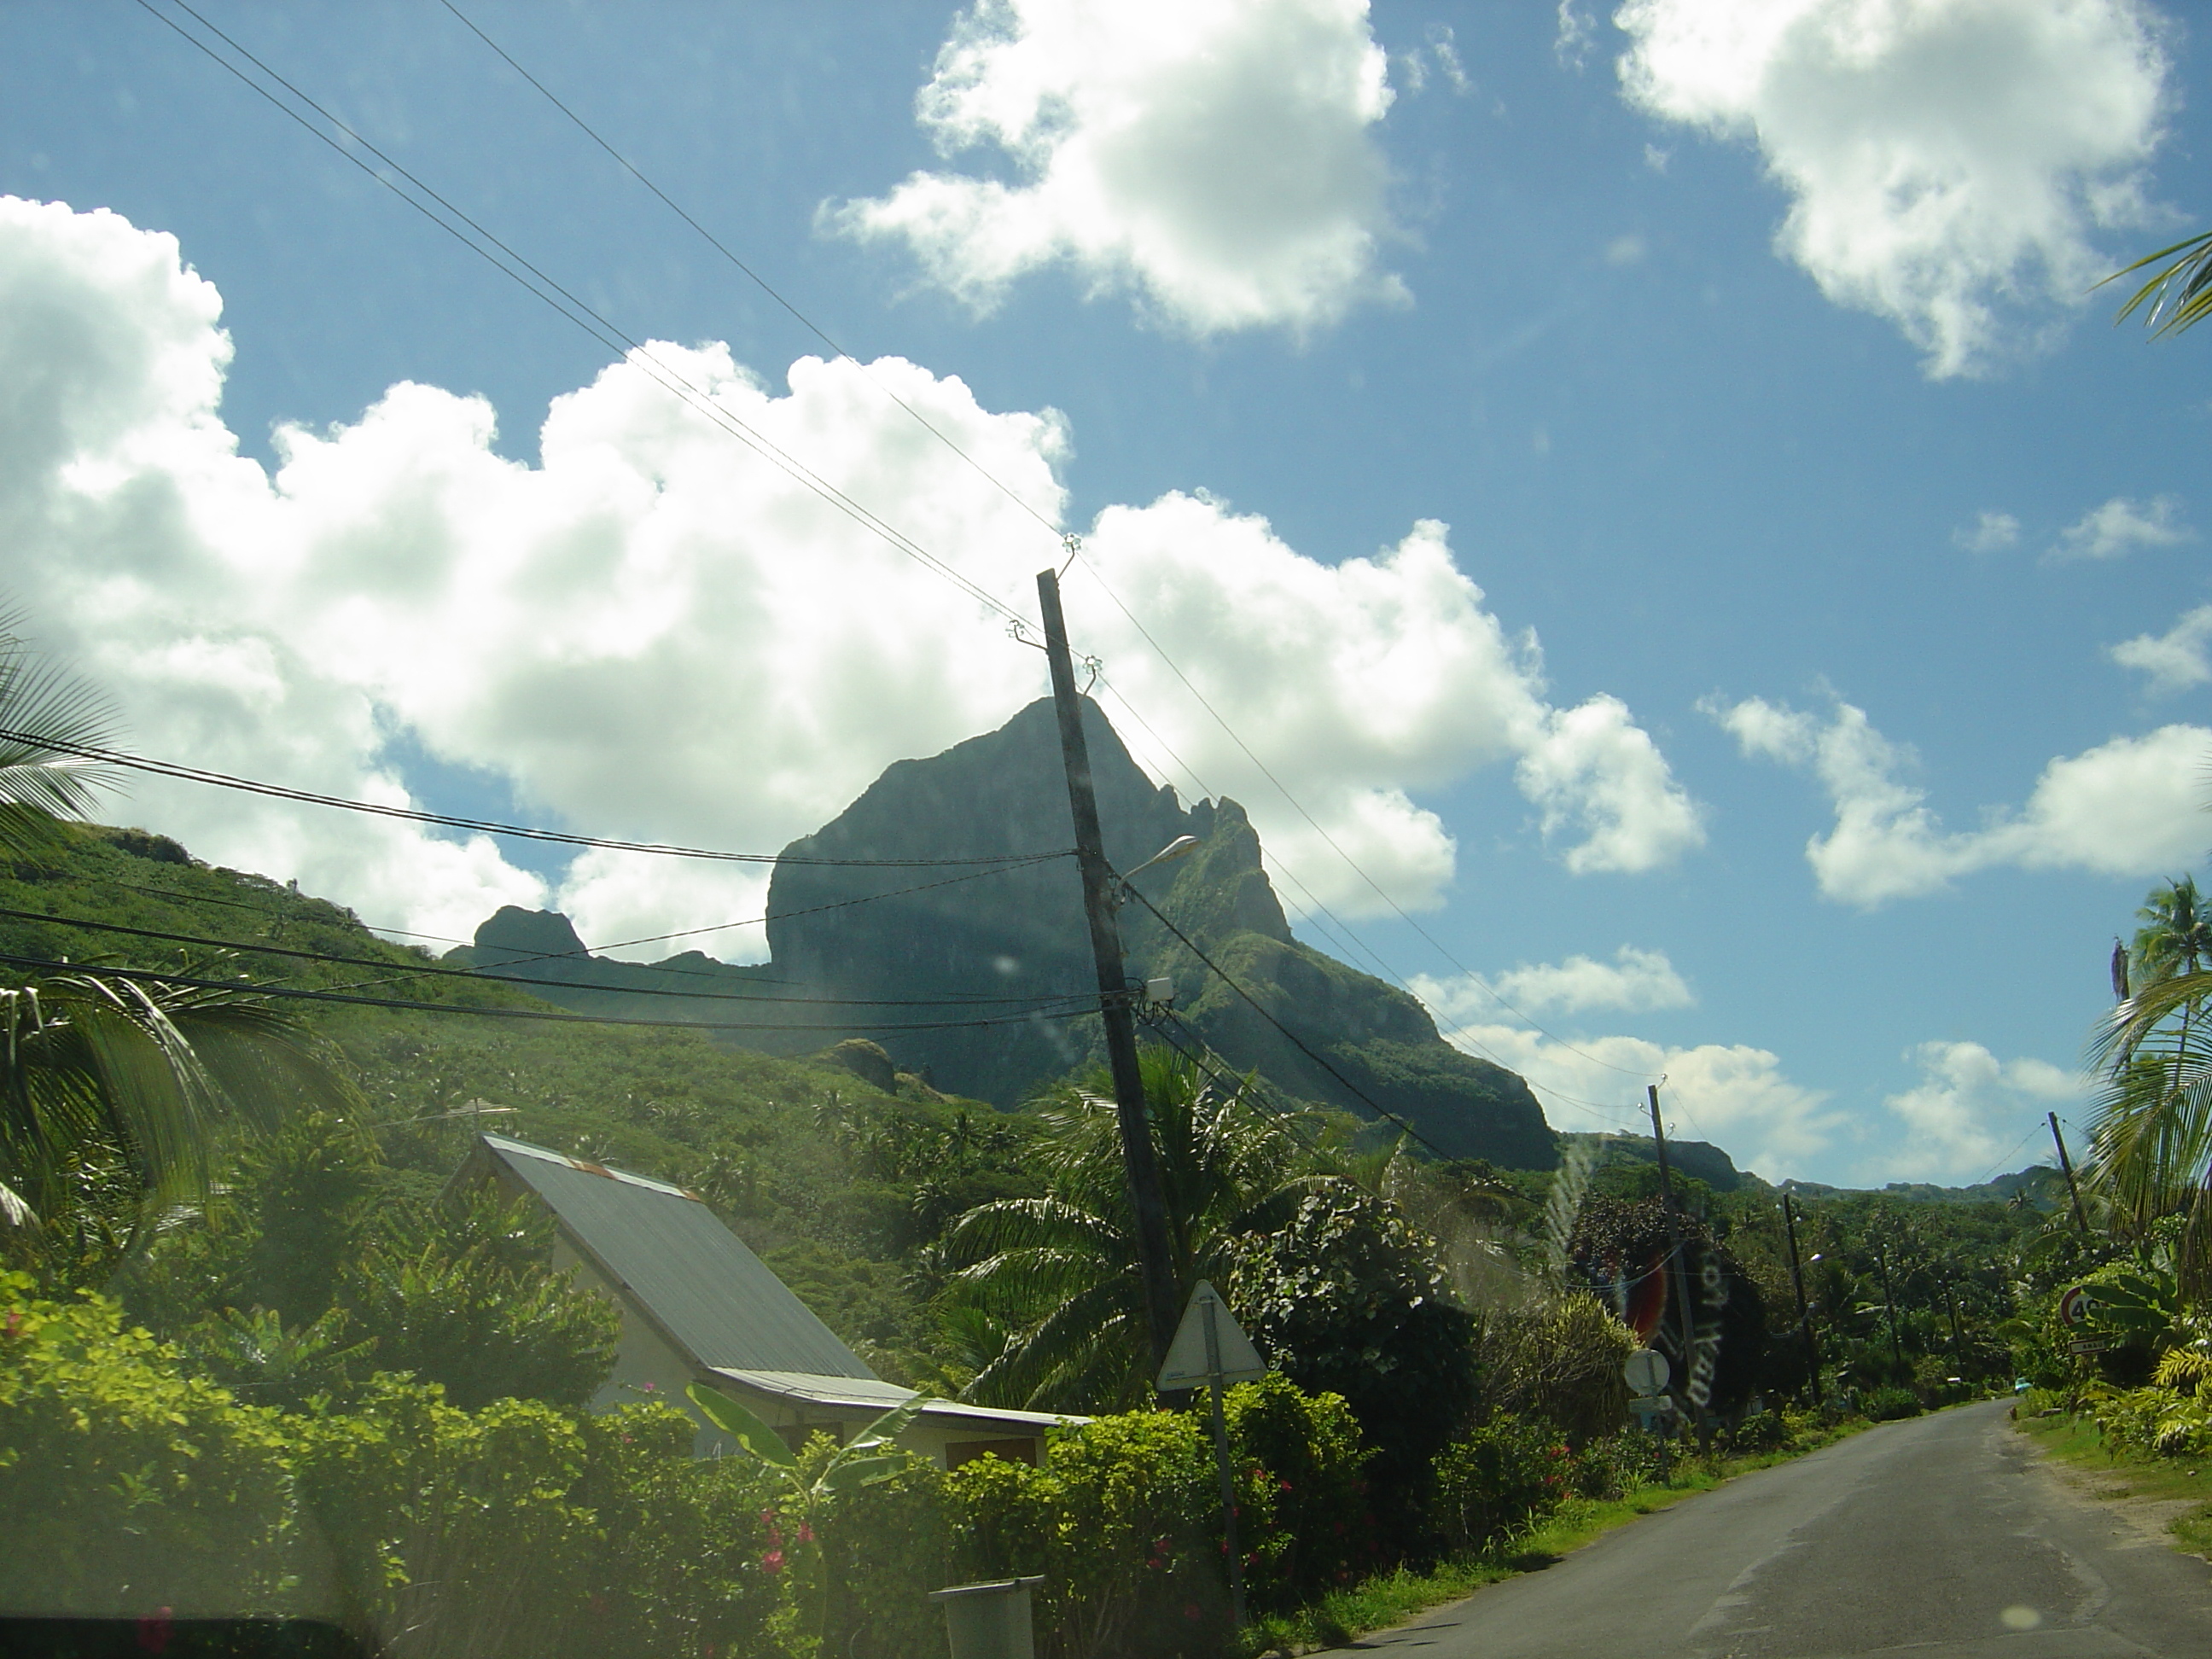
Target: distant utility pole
(1138,1160)
(1679,1267)
(1804,1312)
(2066,1163)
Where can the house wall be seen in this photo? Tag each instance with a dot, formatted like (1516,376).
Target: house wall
(647,1366)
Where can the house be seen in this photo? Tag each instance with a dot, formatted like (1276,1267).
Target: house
(697,1306)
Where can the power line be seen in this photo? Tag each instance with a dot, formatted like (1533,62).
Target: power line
(758,281)
(577,312)
(529,276)
(2004,1158)
(1282,789)
(754,922)
(1296,1041)
(450,820)
(495,976)
(543,1016)
(1344,930)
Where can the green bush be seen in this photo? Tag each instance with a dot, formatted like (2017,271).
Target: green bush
(1496,1479)
(884,1546)
(1560,1361)
(1607,1467)
(1303,1450)
(527,1528)
(125,1487)
(2153,1422)
(1759,1431)
(1889,1405)
(1120,1520)
(1347,1297)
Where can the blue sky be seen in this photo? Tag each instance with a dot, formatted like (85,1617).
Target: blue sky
(1742,347)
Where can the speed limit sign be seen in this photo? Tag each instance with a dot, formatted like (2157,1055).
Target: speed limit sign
(2073,1305)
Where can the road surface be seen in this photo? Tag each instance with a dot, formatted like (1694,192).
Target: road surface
(1939,1538)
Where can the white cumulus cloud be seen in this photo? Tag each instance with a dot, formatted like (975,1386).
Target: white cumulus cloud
(1635,981)
(1967,1108)
(2120,527)
(651,634)
(1990,532)
(2126,807)
(1216,155)
(1732,1094)
(1947,160)
(2176,659)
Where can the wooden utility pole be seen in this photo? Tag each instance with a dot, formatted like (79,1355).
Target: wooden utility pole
(1678,1269)
(1139,1161)
(2066,1163)
(1804,1311)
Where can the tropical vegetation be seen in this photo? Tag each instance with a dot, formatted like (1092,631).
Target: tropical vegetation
(259,1351)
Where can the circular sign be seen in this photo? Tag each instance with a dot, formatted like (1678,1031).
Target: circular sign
(2073,1307)
(1647,1371)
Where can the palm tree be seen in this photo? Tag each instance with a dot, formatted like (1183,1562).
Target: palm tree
(115,1094)
(115,1098)
(1060,1270)
(2176,936)
(2151,1136)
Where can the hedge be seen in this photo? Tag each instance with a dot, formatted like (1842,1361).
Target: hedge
(128,1485)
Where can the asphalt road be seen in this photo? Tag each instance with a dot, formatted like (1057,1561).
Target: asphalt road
(1940,1538)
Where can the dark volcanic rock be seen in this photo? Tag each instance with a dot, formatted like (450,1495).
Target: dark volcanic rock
(992,962)
(991,942)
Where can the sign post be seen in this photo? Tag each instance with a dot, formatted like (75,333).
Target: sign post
(1209,1348)
(1647,1372)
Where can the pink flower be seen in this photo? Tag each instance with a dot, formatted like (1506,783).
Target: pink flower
(14,1321)
(805,1533)
(772,1562)
(153,1632)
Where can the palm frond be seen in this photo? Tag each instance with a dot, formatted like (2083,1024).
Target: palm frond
(2178,295)
(45,714)
(146,1083)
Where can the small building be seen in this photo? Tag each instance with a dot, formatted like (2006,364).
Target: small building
(698,1306)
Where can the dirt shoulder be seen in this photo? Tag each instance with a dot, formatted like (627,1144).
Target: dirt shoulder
(2163,1500)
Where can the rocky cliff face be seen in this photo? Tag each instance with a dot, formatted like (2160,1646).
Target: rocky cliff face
(1020,933)
(996,960)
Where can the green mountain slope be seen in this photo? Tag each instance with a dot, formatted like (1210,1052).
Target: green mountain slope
(814,1167)
(1000,962)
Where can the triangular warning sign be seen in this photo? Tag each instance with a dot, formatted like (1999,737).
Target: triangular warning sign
(1192,1359)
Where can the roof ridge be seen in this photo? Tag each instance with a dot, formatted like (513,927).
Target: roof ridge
(506,1144)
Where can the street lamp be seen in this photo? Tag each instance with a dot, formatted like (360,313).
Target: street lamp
(1180,846)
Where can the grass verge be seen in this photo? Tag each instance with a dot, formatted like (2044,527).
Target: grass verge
(1391,1598)
(2077,1441)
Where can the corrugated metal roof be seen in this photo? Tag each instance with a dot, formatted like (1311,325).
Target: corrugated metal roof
(693,1276)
